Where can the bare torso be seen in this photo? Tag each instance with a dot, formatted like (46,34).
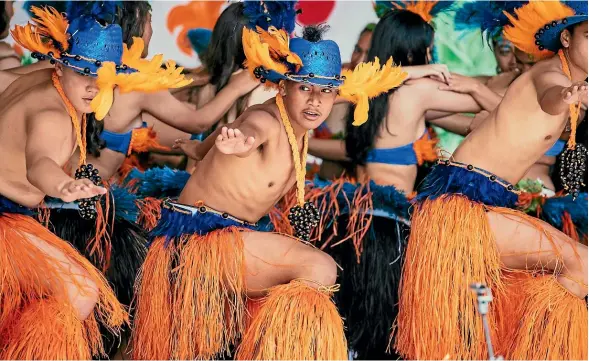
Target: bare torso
(517,133)
(246,188)
(30,94)
(404,125)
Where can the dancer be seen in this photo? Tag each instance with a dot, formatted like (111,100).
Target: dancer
(463,230)
(52,297)
(8,57)
(210,232)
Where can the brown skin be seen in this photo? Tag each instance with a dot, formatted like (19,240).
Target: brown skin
(8,57)
(524,126)
(361,49)
(247,167)
(37,139)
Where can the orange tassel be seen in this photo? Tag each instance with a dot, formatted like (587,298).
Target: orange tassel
(426,148)
(144,140)
(206,294)
(568,227)
(552,323)
(28,274)
(296,322)
(150,210)
(131,162)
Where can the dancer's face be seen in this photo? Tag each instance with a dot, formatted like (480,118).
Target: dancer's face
(361,49)
(307,105)
(575,41)
(524,61)
(504,54)
(78,88)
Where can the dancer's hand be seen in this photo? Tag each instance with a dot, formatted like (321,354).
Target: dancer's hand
(439,72)
(79,189)
(233,141)
(461,84)
(501,81)
(189,147)
(577,92)
(243,82)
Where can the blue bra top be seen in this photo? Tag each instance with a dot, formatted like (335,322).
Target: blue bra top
(119,142)
(403,155)
(556,148)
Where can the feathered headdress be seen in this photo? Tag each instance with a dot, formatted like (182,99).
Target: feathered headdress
(264,14)
(537,25)
(272,57)
(94,48)
(427,9)
(487,16)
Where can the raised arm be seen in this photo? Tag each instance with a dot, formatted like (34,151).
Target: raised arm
(555,92)
(456,123)
(329,149)
(246,134)
(486,98)
(48,148)
(425,95)
(171,111)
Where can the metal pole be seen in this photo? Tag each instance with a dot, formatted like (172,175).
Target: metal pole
(484,297)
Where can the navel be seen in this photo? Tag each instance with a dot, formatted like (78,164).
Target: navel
(270,184)
(548,137)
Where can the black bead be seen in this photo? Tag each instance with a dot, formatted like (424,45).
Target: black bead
(50,61)
(299,11)
(547,27)
(541,47)
(202,210)
(311,75)
(564,21)
(66,62)
(537,36)
(78,58)
(98,63)
(554,23)
(118,68)
(330,85)
(493,178)
(50,54)
(469,167)
(263,80)
(125,67)
(510,187)
(225,215)
(537,42)
(258,76)
(447,162)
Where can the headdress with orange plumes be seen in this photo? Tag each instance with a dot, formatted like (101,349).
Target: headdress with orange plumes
(272,57)
(90,47)
(427,9)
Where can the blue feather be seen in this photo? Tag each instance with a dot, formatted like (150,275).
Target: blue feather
(554,208)
(159,182)
(487,16)
(103,10)
(281,14)
(199,39)
(124,202)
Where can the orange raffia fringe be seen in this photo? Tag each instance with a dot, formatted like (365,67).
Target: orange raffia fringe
(150,211)
(296,322)
(450,246)
(51,330)
(568,227)
(552,323)
(144,140)
(130,162)
(205,295)
(529,19)
(28,275)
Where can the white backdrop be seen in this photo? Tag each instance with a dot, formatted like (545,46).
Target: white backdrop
(347,19)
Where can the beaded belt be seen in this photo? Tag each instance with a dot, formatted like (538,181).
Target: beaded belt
(492,177)
(202,209)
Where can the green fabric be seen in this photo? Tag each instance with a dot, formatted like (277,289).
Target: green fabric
(464,53)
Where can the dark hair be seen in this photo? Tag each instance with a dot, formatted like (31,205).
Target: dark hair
(133,17)
(93,141)
(406,37)
(4,19)
(225,51)
(314,33)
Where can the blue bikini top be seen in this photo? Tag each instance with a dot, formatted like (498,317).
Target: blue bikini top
(423,149)
(556,148)
(119,142)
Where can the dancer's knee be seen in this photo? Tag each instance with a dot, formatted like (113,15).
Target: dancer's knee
(84,296)
(319,267)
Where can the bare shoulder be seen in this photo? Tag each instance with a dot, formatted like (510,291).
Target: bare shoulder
(419,85)
(261,116)
(49,117)
(549,72)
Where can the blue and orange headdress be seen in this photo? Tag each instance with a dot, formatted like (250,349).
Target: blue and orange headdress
(427,9)
(486,16)
(272,57)
(92,47)
(537,25)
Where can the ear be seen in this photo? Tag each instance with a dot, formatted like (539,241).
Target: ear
(565,38)
(59,69)
(282,88)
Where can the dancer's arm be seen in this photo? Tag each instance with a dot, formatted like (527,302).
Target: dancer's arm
(487,98)
(424,95)
(44,147)
(243,137)
(555,92)
(25,69)
(329,149)
(456,123)
(171,111)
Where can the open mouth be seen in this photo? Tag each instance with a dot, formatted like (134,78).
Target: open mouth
(87,100)
(311,115)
